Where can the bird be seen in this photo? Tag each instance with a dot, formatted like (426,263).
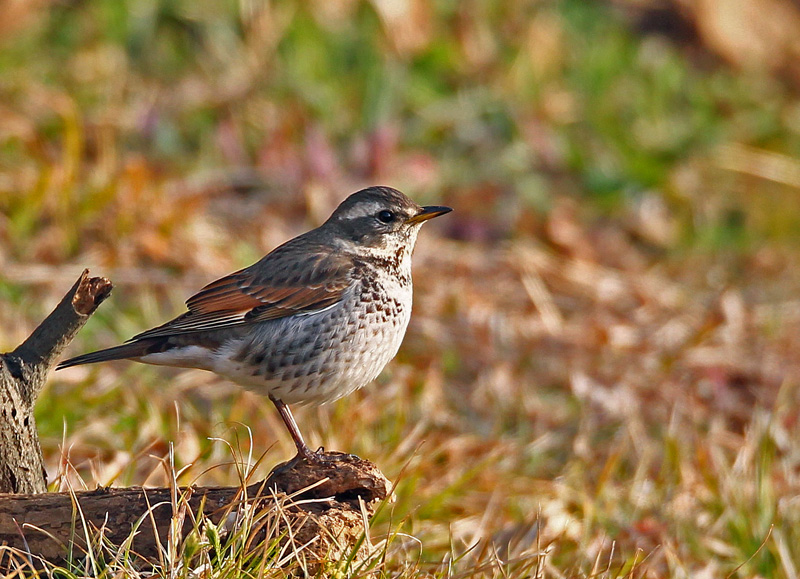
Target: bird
(314,320)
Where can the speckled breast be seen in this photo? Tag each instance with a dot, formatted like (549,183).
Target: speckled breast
(325,355)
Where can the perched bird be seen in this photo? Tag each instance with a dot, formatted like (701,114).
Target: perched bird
(312,321)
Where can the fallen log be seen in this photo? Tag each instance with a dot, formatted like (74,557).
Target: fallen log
(317,511)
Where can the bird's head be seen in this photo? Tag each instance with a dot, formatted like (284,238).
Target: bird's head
(380,219)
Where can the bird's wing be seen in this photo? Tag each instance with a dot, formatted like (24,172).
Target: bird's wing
(283,283)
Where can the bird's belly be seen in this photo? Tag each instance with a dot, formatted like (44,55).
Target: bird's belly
(319,357)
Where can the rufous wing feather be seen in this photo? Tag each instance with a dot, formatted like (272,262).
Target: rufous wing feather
(273,288)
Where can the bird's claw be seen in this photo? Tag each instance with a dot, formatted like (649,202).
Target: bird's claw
(321,457)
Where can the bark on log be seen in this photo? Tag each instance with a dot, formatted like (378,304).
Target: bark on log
(48,526)
(22,376)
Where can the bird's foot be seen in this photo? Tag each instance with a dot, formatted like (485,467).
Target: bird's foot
(320,456)
(316,458)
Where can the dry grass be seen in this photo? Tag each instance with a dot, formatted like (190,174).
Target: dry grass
(601,374)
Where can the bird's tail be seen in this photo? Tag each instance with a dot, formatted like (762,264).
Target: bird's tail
(125,351)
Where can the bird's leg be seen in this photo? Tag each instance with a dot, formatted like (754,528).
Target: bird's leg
(302,449)
(291,425)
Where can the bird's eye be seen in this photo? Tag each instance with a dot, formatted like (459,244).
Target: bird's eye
(385,216)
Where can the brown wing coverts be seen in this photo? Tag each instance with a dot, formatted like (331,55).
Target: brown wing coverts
(275,287)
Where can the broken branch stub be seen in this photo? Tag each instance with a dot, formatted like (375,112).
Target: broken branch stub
(22,377)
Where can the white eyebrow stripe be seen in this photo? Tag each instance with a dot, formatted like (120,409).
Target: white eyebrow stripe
(363,210)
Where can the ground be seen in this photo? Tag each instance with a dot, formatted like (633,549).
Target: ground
(600,377)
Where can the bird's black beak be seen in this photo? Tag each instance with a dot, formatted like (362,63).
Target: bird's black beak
(428,212)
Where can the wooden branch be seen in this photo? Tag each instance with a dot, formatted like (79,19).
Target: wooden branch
(22,376)
(48,525)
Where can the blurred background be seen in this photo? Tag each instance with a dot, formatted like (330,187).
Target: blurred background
(601,372)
